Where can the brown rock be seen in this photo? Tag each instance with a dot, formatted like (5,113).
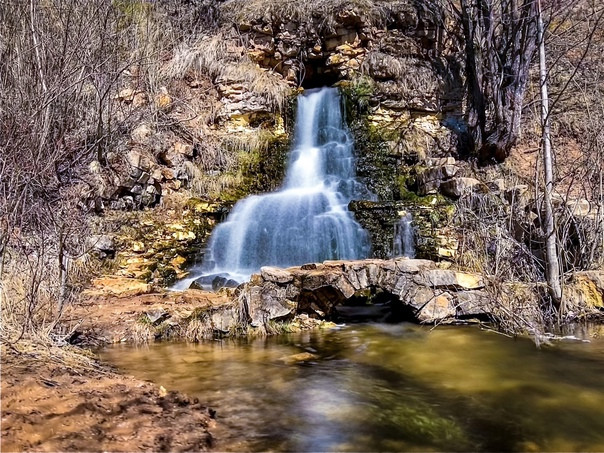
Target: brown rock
(438,308)
(118,287)
(456,187)
(276,275)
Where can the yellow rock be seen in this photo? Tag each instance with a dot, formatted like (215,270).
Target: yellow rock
(183,236)
(178,261)
(353,64)
(117,286)
(589,292)
(138,246)
(297,358)
(445,252)
(469,281)
(437,308)
(335,59)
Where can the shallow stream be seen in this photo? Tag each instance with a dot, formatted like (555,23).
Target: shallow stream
(378,387)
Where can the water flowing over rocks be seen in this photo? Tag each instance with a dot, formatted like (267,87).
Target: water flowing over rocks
(307,219)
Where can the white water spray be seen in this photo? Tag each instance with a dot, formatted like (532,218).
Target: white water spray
(307,220)
(404,237)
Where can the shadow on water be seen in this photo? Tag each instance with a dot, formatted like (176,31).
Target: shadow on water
(389,388)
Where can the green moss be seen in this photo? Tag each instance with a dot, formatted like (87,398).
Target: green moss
(167,274)
(376,164)
(357,95)
(146,276)
(144,320)
(259,170)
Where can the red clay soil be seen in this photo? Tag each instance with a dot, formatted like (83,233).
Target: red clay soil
(48,406)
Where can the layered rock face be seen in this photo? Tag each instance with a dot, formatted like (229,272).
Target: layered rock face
(395,45)
(392,62)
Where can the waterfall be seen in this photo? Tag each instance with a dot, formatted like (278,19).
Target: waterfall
(307,220)
(404,237)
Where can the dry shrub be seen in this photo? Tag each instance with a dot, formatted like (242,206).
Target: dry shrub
(327,11)
(30,291)
(199,329)
(411,76)
(488,242)
(219,57)
(517,308)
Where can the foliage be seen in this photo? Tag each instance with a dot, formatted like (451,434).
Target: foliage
(61,67)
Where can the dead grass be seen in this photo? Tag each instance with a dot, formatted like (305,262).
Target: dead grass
(226,62)
(328,11)
(487,242)
(199,329)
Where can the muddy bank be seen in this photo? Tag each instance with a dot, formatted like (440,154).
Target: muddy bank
(50,406)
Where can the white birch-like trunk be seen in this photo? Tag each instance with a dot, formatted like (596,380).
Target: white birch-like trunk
(552,266)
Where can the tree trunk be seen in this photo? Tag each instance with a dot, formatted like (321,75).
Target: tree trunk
(552,267)
(500,42)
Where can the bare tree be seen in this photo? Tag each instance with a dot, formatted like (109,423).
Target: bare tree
(552,267)
(499,39)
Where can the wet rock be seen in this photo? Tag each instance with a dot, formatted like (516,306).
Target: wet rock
(222,282)
(214,281)
(298,358)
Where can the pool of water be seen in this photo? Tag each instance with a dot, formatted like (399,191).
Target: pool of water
(378,387)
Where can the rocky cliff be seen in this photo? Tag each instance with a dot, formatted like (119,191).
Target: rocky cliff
(220,125)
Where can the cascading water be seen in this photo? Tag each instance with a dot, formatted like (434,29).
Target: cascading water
(307,220)
(404,237)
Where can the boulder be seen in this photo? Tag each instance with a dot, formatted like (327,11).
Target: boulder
(276,275)
(456,187)
(473,303)
(438,308)
(431,179)
(444,278)
(102,243)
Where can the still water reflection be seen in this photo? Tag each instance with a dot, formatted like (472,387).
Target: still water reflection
(388,388)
